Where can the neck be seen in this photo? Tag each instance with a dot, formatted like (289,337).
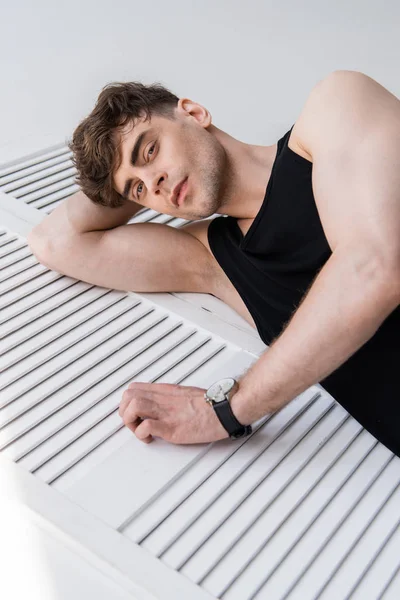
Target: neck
(248,171)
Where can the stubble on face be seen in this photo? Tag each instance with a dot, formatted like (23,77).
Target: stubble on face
(209,166)
(203,159)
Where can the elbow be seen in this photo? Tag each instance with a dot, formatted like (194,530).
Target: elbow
(389,269)
(40,247)
(394,279)
(388,286)
(375,271)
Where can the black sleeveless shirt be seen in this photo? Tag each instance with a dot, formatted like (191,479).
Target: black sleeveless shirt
(274,265)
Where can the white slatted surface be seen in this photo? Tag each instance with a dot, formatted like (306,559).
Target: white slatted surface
(42,181)
(68,350)
(307,507)
(279,518)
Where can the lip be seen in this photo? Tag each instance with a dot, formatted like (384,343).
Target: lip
(178,193)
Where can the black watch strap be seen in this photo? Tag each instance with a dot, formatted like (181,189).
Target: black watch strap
(229,421)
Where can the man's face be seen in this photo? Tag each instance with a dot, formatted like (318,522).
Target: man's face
(170,152)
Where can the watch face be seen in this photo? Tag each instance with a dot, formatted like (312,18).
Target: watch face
(218,390)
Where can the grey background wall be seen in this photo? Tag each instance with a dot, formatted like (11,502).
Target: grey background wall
(251,63)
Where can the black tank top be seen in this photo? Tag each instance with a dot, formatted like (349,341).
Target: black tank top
(273,266)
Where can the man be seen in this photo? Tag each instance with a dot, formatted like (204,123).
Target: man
(327,254)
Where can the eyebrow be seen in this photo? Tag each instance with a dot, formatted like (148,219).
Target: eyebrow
(134,156)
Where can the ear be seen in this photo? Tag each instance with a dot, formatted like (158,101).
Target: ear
(189,108)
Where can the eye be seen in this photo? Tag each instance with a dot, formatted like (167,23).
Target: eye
(139,184)
(151,148)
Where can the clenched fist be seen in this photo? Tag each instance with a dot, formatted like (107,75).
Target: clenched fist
(178,414)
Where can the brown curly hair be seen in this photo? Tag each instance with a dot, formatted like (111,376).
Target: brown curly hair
(95,152)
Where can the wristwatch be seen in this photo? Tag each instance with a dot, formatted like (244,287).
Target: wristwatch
(218,396)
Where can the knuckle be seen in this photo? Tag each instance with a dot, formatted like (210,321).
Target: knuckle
(126,395)
(137,404)
(126,418)
(174,437)
(134,401)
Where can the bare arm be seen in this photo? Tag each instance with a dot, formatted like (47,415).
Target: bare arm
(93,243)
(78,214)
(74,217)
(353,126)
(341,312)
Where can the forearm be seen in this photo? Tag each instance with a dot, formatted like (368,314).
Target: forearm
(78,214)
(343,309)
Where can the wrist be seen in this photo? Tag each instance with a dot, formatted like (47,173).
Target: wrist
(238,406)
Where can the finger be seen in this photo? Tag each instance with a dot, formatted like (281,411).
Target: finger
(125,400)
(122,406)
(134,424)
(143,433)
(138,404)
(147,429)
(135,412)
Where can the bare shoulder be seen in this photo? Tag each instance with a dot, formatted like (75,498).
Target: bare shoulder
(342,109)
(295,143)
(308,124)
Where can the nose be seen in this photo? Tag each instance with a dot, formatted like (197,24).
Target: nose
(155,183)
(161,191)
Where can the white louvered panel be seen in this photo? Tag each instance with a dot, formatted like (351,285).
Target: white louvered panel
(76,306)
(36,351)
(14,256)
(29,182)
(46,186)
(219,544)
(28,264)
(101,380)
(33,164)
(216,514)
(7,239)
(168,220)
(49,200)
(318,550)
(24,285)
(382,567)
(214,470)
(66,363)
(178,222)
(187,522)
(224,312)
(147,215)
(43,182)
(10,250)
(134,488)
(160,218)
(211,545)
(50,291)
(362,541)
(223,579)
(391,591)
(19,173)
(307,507)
